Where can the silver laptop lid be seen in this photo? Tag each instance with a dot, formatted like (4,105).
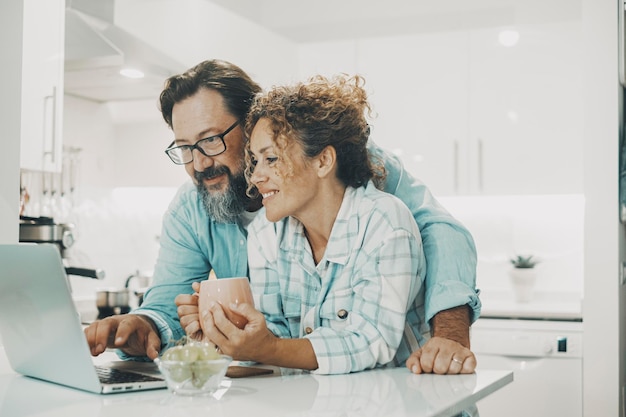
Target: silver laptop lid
(40,326)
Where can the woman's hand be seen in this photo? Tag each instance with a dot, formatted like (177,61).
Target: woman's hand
(188,312)
(252,343)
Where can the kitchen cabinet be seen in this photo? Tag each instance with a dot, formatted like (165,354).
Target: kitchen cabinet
(469,115)
(418,89)
(42,85)
(541,353)
(525,129)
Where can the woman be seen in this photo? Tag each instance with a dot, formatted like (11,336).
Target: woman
(336,266)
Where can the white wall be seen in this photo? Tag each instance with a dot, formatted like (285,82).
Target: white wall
(10,85)
(603,357)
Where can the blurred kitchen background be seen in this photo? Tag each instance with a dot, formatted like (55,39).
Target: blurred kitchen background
(443,91)
(506,109)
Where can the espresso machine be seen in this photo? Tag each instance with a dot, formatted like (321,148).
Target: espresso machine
(45,230)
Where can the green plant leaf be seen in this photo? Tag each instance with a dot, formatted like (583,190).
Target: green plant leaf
(521,261)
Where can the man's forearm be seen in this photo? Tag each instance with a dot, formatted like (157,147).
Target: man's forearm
(453,324)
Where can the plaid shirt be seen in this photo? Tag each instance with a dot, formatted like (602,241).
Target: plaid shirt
(362,306)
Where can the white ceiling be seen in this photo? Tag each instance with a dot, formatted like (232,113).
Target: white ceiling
(321,20)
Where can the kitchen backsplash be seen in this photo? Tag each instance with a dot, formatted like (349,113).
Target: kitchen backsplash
(550,227)
(118,230)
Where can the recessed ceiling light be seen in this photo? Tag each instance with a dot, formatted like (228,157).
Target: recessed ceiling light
(508,38)
(132,73)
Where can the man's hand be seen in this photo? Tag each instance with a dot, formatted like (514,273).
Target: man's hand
(448,351)
(134,334)
(188,313)
(442,356)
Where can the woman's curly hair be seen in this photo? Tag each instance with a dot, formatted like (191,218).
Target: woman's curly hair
(319,113)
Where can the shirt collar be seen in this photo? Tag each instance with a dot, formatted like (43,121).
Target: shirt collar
(342,235)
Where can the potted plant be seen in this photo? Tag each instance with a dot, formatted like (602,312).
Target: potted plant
(523,276)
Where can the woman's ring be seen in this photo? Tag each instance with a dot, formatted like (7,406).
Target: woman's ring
(460,362)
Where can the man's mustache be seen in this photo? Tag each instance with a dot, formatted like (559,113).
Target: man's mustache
(211,173)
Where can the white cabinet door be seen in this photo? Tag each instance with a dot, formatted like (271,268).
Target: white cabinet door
(42,85)
(468,115)
(419,92)
(525,109)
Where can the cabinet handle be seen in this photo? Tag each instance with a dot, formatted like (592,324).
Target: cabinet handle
(456,167)
(53,97)
(480,165)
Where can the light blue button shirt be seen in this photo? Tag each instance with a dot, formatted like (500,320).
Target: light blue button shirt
(193,243)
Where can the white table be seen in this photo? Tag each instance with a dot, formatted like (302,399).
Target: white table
(387,392)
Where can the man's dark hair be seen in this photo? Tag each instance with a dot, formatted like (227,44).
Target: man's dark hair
(235,86)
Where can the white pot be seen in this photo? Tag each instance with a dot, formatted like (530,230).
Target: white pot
(523,280)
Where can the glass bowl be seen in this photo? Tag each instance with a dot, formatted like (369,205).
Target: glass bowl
(193,370)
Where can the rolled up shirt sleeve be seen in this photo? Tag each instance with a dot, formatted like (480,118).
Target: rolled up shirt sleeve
(450,279)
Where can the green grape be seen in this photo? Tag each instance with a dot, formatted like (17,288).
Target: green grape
(193,362)
(183,353)
(172,354)
(208,352)
(180,372)
(189,353)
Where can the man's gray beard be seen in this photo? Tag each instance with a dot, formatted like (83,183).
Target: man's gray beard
(225,207)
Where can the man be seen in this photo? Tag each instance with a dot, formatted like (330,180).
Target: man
(204,228)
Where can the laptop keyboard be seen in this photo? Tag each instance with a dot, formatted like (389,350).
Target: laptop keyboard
(116,376)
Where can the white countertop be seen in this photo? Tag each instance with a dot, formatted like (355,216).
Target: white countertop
(543,305)
(385,392)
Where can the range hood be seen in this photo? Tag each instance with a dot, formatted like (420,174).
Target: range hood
(96,50)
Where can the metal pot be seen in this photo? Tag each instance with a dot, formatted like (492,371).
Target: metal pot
(138,283)
(112,301)
(112,297)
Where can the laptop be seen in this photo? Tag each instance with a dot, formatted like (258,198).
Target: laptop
(41,329)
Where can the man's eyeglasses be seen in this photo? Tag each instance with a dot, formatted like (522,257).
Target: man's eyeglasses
(211,146)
